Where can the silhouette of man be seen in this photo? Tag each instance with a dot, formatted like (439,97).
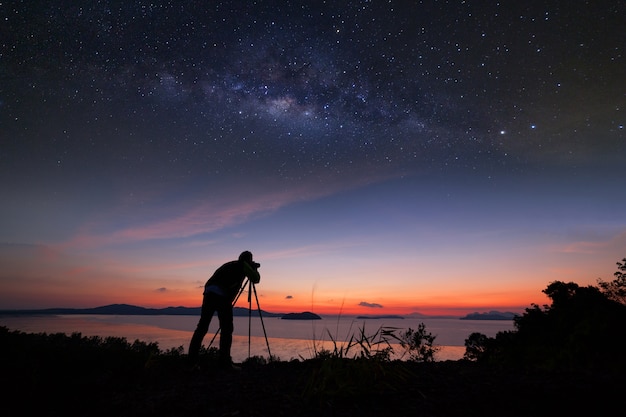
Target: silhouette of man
(219,293)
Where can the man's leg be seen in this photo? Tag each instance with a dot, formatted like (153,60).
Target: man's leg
(208,308)
(225,315)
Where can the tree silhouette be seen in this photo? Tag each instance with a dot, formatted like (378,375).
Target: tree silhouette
(616,289)
(580,330)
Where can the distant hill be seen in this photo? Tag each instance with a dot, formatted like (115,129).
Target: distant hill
(492,315)
(131,310)
(416,314)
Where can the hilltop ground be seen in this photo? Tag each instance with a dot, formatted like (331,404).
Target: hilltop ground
(313,388)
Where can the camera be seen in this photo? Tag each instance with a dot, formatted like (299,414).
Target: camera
(255,265)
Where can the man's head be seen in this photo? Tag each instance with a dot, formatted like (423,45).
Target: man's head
(247,257)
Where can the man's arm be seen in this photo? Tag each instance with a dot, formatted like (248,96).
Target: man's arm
(251,273)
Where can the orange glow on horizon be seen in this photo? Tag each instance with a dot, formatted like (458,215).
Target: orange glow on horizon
(95,292)
(450,308)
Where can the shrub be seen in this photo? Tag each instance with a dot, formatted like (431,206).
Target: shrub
(419,344)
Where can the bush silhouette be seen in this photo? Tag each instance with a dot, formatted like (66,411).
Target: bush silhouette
(579,331)
(419,344)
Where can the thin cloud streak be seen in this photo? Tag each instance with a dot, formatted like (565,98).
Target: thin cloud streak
(593,247)
(208,217)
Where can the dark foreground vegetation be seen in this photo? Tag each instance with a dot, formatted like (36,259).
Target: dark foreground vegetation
(567,358)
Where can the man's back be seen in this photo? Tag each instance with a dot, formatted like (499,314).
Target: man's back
(229,278)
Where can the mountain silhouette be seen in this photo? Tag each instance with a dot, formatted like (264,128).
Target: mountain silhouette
(131,310)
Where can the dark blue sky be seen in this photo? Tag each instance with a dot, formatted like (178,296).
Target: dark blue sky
(424,145)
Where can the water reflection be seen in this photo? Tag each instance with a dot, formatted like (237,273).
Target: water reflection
(287,339)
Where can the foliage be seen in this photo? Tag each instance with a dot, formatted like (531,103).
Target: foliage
(616,289)
(257,360)
(376,347)
(475,346)
(46,367)
(580,330)
(86,354)
(419,344)
(479,347)
(355,366)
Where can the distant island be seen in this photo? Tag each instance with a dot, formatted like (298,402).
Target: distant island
(492,315)
(389,316)
(306,315)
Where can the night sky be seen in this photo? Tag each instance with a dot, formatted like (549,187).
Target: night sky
(375,156)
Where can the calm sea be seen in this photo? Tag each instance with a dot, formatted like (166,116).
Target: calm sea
(286,339)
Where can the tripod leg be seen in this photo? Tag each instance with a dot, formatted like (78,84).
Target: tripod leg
(262,324)
(249,314)
(214,336)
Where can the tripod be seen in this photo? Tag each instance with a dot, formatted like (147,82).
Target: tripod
(251,289)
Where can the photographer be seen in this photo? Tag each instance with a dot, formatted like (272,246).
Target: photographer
(219,293)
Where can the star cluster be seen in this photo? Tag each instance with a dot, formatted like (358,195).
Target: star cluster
(309,88)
